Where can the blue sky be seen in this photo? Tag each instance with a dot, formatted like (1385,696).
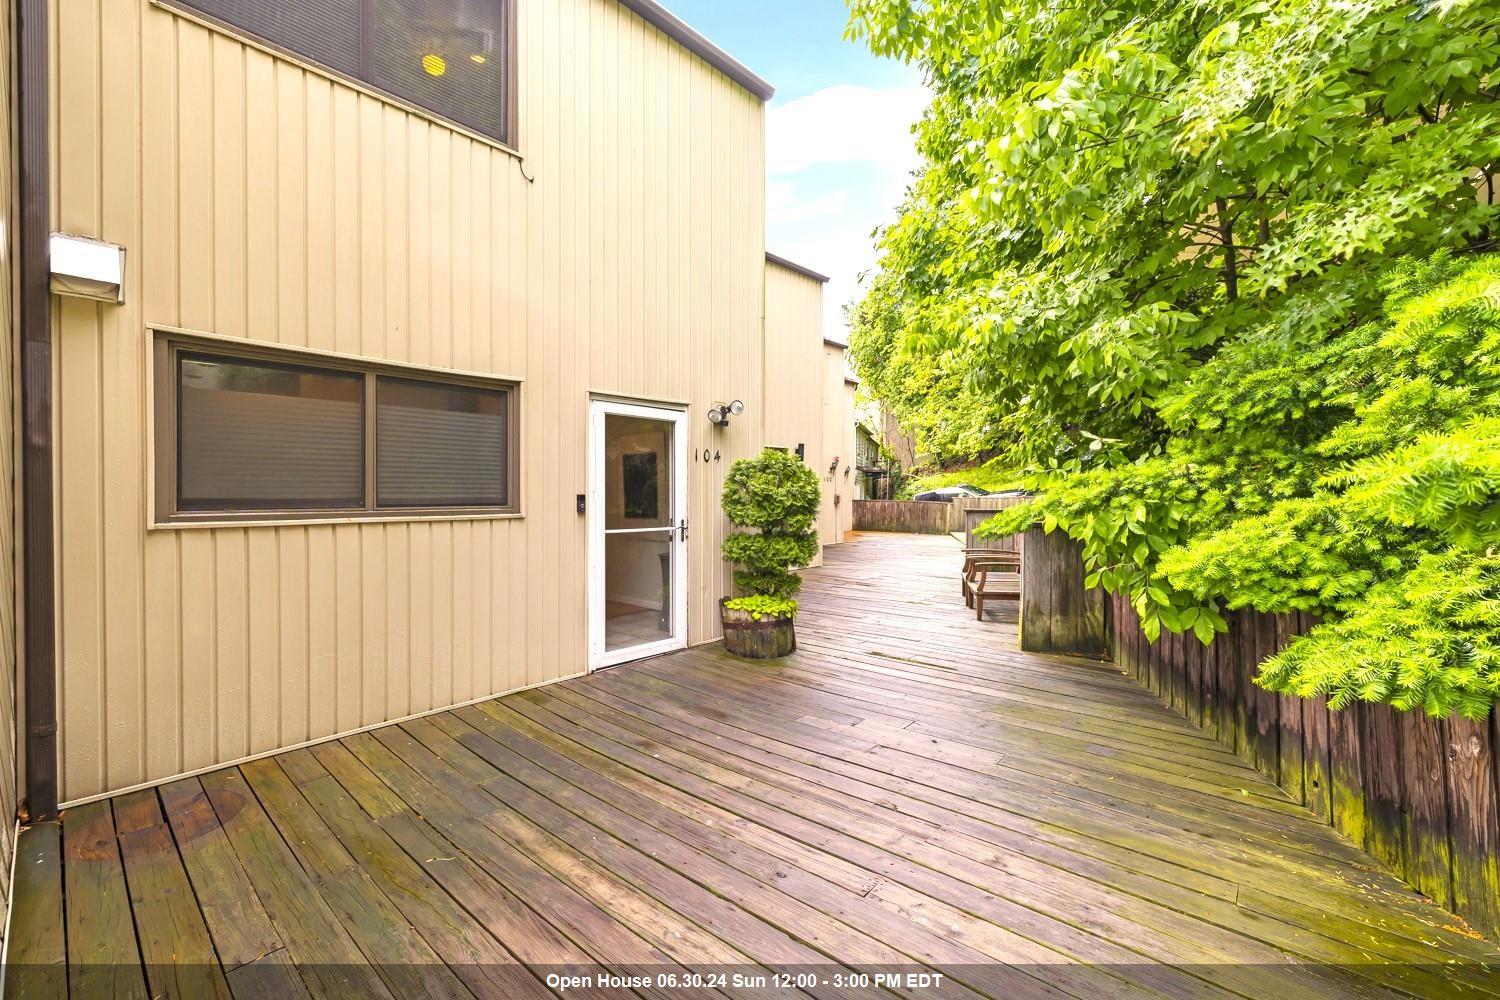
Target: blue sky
(838,132)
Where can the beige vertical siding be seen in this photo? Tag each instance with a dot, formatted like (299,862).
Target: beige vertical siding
(8,444)
(794,365)
(794,370)
(838,443)
(260,199)
(847,484)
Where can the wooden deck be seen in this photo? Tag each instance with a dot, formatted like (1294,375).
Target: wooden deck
(907,794)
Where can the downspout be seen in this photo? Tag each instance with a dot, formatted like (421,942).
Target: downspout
(35,349)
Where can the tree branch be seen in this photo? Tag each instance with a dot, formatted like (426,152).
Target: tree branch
(1226,238)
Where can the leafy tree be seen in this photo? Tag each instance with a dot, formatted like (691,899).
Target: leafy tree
(1218,275)
(1366,488)
(1114,189)
(777,496)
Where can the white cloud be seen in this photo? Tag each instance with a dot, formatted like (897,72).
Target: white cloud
(838,161)
(845,123)
(783,203)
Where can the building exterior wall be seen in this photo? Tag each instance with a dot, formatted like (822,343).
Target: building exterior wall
(838,443)
(866,457)
(849,483)
(794,370)
(893,437)
(795,379)
(9,646)
(258,198)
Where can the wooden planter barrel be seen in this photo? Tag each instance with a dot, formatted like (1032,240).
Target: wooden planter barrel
(757,640)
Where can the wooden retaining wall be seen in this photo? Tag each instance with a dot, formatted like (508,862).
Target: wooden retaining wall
(922,517)
(1058,613)
(1418,793)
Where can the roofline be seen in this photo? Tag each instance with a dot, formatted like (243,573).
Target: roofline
(676,28)
(830,342)
(851,380)
(806,272)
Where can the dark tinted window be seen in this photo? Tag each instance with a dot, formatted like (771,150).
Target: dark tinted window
(445,55)
(439,445)
(253,435)
(250,436)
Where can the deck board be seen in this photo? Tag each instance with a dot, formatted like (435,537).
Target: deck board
(175,945)
(101,961)
(909,790)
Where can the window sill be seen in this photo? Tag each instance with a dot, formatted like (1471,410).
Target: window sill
(311,519)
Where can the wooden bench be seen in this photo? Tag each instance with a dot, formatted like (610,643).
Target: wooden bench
(992,578)
(1002,554)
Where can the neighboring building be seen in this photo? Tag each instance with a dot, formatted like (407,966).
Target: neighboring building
(802,365)
(897,442)
(405,402)
(898,450)
(874,473)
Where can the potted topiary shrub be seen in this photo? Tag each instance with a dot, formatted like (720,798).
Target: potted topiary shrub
(773,499)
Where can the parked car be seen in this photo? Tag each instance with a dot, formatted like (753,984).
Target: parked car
(950,493)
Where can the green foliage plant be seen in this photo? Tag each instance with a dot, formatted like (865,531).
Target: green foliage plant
(1113,191)
(1371,497)
(774,499)
(761,606)
(1219,279)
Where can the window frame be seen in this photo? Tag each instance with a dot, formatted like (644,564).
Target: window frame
(507,141)
(167,347)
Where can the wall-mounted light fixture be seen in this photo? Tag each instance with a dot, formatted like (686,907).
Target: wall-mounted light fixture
(86,268)
(719,413)
(834,465)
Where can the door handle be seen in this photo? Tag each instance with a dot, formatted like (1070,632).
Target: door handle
(682,529)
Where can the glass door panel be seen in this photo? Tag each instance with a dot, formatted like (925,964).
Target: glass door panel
(638,532)
(638,589)
(637,473)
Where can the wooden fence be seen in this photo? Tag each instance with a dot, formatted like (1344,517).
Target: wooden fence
(924,517)
(1418,793)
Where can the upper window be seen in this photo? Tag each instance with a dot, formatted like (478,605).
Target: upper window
(451,57)
(262,434)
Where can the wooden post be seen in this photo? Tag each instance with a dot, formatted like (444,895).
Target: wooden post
(1474,818)
(1428,861)
(1057,614)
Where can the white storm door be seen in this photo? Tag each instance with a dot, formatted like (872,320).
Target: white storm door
(637,526)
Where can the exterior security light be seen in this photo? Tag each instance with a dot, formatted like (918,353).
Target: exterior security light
(89,269)
(719,413)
